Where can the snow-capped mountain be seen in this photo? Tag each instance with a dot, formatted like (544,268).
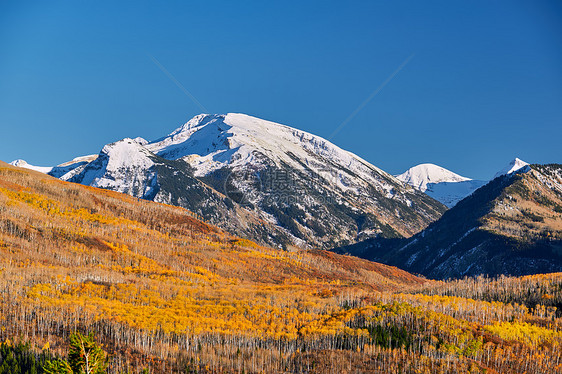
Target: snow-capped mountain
(511,226)
(421,175)
(262,180)
(59,170)
(512,167)
(23,164)
(212,142)
(117,167)
(301,181)
(441,184)
(447,187)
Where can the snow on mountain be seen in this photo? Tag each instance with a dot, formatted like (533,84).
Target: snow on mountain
(441,184)
(141,141)
(120,163)
(513,166)
(71,167)
(421,175)
(445,186)
(450,193)
(262,180)
(211,142)
(59,170)
(23,164)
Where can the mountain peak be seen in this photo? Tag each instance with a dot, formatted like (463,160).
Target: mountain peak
(19,162)
(212,141)
(24,164)
(421,175)
(141,141)
(264,180)
(512,167)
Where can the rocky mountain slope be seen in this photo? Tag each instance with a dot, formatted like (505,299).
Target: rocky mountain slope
(261,180)
(512,225)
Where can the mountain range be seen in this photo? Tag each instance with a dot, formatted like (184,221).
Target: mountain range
(284,187)
(261,180)
(511,225)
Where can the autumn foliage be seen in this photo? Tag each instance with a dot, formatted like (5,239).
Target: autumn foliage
(164,291)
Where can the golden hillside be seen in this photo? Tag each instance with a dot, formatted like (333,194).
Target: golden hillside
(82,255)
(166,292)
(531,208)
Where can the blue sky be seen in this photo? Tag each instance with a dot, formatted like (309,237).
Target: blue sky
(484,84)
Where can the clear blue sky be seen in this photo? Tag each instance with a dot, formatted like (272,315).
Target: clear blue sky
(484,85)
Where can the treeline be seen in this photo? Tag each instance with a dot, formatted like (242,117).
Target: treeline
(20,358)
(540,292)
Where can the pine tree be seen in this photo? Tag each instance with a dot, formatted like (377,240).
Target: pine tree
(85,357)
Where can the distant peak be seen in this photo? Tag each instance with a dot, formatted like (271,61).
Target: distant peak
(24,164)
(512,167)
(421,175)
(19,162)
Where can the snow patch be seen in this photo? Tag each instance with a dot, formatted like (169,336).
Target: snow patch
(23,164)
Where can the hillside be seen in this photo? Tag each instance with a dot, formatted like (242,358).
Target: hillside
(512,225)
(261,180)
(168,293)
(82,256)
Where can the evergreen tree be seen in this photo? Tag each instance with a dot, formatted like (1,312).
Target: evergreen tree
(85,357)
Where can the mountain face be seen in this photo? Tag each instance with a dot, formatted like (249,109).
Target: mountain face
(128,167)
(445,186)
(512,225)
(261,180)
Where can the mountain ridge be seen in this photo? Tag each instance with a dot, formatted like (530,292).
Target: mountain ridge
(512,225)
(266,181)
